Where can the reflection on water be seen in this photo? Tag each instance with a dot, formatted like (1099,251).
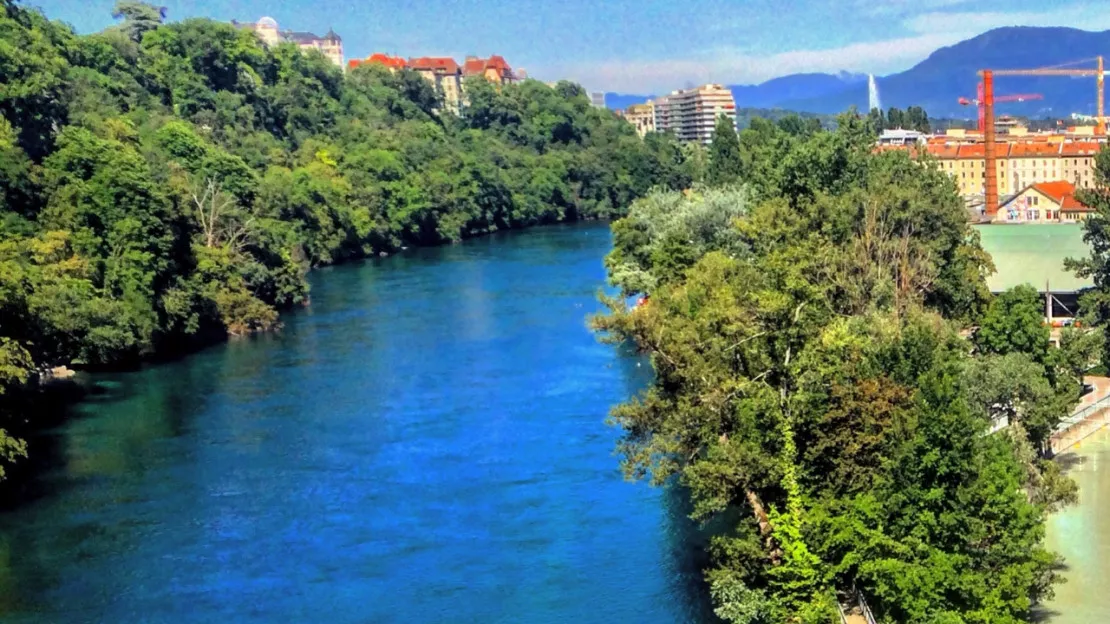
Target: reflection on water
(423,444)
(1082,535)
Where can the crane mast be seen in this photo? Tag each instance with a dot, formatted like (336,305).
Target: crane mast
(990,144)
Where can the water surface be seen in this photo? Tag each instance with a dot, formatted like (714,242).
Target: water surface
(1081,534)
(425,443)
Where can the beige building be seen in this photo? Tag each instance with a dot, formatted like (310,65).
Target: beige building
(692,114)
(445,75)
(1078,162)
(642,117)
(331,45)
(1020,164)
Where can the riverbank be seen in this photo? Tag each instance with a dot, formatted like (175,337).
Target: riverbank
(425,443)
(47,400)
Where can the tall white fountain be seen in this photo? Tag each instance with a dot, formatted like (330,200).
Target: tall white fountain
(873,100)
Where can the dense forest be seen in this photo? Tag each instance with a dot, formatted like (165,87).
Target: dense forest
(166,184)
(850,410)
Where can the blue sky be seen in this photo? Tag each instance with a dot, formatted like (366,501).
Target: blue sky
(640,46)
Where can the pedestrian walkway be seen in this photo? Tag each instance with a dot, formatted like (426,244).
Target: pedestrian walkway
(1090,415)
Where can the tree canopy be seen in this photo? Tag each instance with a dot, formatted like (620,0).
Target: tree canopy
(815,397)
(164,184)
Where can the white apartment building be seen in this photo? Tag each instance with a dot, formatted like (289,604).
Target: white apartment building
(692,114)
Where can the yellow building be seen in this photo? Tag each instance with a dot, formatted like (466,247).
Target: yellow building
(1078,163)
(642,117)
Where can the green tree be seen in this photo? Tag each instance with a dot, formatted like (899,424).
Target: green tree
(1014,323)
(725,165)
(138,17)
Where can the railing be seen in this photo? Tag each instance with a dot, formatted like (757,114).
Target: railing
(1080,424)
(866,609)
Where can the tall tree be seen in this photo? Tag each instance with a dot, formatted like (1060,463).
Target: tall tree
(725,164)
(138,17)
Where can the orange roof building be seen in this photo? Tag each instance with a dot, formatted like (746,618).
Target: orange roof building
(392,62)
(494,69)
(1044,202)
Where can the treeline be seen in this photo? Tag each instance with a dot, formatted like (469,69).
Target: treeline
(913,118)
(829,367)
(166,184)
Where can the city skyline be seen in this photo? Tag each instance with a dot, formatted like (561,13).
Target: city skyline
(651,46)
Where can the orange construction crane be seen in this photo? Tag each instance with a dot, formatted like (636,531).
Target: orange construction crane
(1017,97)
(989,147)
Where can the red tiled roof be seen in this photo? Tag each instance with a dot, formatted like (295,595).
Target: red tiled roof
(435,62)
(395,62)
(1025,150)
(1058,190)
(1062,193)
(944,151)
(972,151)
(1080,148)
(476,66)
(1071,204)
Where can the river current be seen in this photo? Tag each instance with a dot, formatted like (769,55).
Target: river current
(424,443)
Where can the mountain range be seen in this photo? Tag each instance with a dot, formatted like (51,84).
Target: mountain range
(948,74)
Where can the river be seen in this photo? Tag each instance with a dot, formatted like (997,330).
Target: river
(424,443)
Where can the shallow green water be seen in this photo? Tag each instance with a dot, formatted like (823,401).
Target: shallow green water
(1082,535)
(1034,254)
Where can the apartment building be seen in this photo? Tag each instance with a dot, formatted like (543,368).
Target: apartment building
(494,69)
(1019,164)
(446,75)
(1078,163)
(331,45)
(642,117)
(692,114)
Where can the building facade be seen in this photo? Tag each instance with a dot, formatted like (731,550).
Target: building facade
(1043,202)
(446,75)
(331,45)
(1019,164)
(494,69)
(692,114)
(642,117)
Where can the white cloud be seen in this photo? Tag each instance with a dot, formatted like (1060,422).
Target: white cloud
(1086,17)
(889,7)
(730,66)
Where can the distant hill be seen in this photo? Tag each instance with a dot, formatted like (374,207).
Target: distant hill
(949,73)
(946,75)
(777,92)
(771,94)
(621,101)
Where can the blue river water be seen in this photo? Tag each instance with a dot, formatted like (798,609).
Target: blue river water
(424,443)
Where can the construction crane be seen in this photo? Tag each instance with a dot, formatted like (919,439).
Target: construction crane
(1017,97)
(989,147)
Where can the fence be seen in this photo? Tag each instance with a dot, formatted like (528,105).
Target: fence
(1081,424)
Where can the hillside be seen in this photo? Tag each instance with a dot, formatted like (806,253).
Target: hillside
(949,73)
